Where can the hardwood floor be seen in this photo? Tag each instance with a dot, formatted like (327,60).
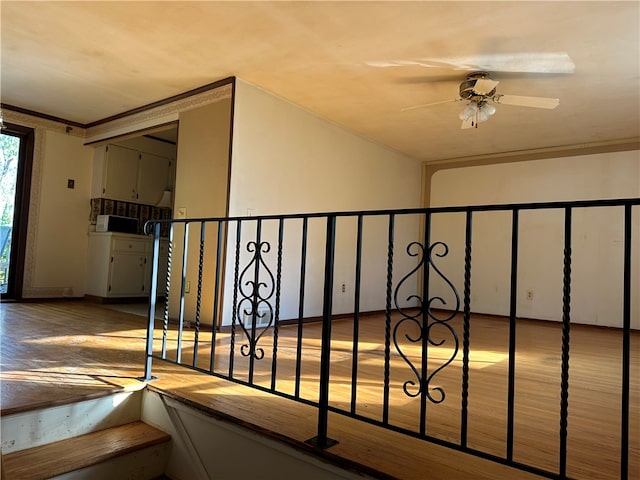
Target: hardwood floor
(57,352)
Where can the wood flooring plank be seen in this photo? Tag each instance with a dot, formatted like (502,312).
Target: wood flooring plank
(55,351)
(58,352)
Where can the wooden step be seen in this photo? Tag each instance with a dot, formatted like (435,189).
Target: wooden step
(72,454)
(52,423)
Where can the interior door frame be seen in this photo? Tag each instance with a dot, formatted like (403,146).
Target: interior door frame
(21,208)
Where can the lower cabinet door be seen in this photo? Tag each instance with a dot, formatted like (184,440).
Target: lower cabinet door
(126,276)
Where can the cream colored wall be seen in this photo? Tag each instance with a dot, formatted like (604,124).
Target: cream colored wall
(56,261)
(596,288)
(286,160)
(202,169)
(205,447)
(201,186)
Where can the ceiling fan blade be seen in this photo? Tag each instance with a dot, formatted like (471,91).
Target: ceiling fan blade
(524,101)
(516,62)
(469,123)
(429,104)
(484,86)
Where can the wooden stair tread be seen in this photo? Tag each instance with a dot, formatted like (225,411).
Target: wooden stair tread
(65,456)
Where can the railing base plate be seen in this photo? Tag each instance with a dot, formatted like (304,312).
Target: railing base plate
(329,442)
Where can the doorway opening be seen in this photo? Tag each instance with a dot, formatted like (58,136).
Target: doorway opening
(16,160)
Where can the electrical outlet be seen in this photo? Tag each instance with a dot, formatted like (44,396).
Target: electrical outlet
(182,212)
(187,286)
(529,294)
(344,288)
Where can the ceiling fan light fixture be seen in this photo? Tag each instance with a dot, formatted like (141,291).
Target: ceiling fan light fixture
(487,109)
(469,111)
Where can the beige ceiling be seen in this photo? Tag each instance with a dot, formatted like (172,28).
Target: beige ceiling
(357,64)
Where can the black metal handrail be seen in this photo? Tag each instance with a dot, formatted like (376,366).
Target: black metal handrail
(246,282)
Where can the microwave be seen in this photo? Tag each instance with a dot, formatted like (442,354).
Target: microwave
(115,223)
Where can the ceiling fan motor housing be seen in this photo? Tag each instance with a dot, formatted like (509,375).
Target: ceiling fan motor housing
(467,91)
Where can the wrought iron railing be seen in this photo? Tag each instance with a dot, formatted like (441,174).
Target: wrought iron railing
(258,280)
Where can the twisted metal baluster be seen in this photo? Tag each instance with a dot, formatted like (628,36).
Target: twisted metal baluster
(466,331)
(566,330)
(277,317)
(235,297)
(165,315)
(387,323)
(196,336)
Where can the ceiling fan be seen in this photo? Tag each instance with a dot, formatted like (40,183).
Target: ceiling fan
(479,91)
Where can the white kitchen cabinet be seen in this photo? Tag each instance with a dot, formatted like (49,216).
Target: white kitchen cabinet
(120,173)
(117,265)
(120,265)
(129,175)
(163,259)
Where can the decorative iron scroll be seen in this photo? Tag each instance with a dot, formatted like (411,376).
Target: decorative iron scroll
(254,294)
(426,322)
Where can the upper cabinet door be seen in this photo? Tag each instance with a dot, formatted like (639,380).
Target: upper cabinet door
(121,173)
(153,178)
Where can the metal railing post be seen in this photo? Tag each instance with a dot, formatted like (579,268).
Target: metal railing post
(303,269)
(183,290)
(322,440)
(152,302)
(626,344)
(513,301)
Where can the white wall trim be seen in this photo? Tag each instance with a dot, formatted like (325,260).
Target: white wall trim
(617,145)
(155,116)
